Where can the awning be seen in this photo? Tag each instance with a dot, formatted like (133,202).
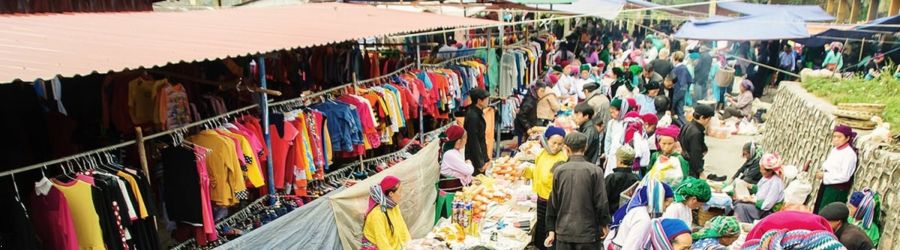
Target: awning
(606,9)
(812,13)
(774,26)
(654,6)
(42,46)
(542,1)
(832,35)
(884,24)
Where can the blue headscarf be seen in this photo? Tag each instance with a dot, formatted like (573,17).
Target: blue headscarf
(653,195)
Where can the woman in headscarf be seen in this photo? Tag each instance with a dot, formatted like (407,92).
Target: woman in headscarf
(630,221)
(770,192)
(784,239)
(864,212)
(667,165)
(742,106)
(541,175)
(749,172)
(453,163)
(621,80)
(668,234)
(838,168)
(384,227)
(834,61)
(635,136)
(718,234)
(690,195)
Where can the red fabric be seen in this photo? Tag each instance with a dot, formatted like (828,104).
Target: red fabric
(789,220)
(280,145)
(52,220)
(649,118)
(455,132)
(670,131)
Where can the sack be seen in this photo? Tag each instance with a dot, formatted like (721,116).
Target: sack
(725,76)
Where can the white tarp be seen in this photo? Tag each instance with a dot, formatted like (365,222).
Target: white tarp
(418,175)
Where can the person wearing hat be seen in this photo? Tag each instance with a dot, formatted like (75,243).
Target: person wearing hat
(667,165)
(718,234)
(475,126)
(749,171)
(838,168)
(622,177)
(794,239)
(693,138)
(865,210)
(769,193)
(742,106)
(453,163)
(690,195)
(874,66)
(583,78)
(665,234)
(384,227)
(631,221)
(834,61)
(650,121)
(614,136)
(620,79)
(541,176)
(577,213)
(597,100)
(853,237)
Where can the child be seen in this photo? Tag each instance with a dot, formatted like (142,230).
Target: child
(622,177)
(690,195)
(667,165)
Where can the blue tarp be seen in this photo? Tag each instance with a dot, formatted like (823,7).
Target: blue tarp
(606,9)
(772,26)
(875,25)
(831,35)
(812,13)
(656,6)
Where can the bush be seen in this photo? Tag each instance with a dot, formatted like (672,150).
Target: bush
(884,90)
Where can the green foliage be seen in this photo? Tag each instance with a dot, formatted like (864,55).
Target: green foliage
(883,90)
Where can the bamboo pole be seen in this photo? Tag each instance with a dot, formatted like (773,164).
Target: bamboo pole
(142,152)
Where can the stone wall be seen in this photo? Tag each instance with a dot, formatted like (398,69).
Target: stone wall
(799,128)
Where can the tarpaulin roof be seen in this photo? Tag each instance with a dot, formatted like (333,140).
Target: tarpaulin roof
(812,13)
(606,9)
(774,26)
(542,1)
(645,4)
(831,35)
(42,46)
(886,24)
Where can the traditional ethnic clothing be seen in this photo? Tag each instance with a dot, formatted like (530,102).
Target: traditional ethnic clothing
(541,175)
(867,207)
(628,229)
(690,187)
(719,226)
(794,240)
(770,192)
(663,231)
(384,228)
(788,219)
(839,167)
(749,172)
(850,235)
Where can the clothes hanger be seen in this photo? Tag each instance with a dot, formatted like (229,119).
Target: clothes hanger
(18,197)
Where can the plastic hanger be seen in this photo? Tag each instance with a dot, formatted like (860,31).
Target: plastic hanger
(18,197)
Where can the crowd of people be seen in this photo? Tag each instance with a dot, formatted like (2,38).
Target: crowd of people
(630,174)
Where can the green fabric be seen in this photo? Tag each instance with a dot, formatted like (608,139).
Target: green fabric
(685,168)
(775,208)
(831,194)
(719,226)
(873,232)
(443,206)
(835,58)
(692,187)
(493,65)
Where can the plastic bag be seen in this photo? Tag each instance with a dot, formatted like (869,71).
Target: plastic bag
(747,128)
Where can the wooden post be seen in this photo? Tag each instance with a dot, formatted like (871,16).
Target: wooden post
(873,10)
(841,10)
(855,5)
(830,7)
(712,8)
(142,153)
(895,6)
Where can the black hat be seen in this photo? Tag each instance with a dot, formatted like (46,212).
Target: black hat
(651,85)
(704,110)
(835,211)
(557,68)
(591,86)
(478,94)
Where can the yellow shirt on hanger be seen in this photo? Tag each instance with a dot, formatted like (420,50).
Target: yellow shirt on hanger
(223,167)
(84,215)
(142,208)
(253,174)
(304,155)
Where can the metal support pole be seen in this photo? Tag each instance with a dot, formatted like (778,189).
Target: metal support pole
(264,112)
(421,116)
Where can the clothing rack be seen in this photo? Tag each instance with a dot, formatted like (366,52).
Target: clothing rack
(243,213)
(182,129)
(68,158)
(221,85)
(448,61)
(339,87)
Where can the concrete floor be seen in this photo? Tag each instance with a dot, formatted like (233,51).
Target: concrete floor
(724,156)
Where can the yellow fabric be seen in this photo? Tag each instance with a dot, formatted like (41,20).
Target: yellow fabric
(142,100)
(378,232)
(327,138)
(225,175)
(304,148)
(490,139)
(541,174)
(253,174)
(84,215)
(142,208)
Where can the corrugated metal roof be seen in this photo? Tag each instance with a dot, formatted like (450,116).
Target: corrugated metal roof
(42,46)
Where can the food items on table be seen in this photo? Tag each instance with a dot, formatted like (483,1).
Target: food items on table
(507,169)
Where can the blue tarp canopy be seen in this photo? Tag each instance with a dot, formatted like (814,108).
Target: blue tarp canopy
(772,26)
(885,24)
(832,35)
(606,9)
(656,6)
(812,13)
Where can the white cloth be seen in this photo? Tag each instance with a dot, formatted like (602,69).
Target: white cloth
(566,86)
(641,148)
(679,211)
(839,166)
(615,136)
(632,233)
(454,164)
(56,84)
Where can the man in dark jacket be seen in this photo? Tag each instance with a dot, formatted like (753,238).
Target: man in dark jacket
(527,118)
(583,116)
(577,213)
(851,236)
(476,145)
(693,139)
(701,73)
(682,81)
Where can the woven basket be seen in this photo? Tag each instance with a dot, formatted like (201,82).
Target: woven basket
(705,215)
(725,76)
(856,115)
(857,124)
(862,107)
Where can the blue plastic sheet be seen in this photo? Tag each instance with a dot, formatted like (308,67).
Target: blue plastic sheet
(606,9)
(772,26)
(812,13)
(884,24)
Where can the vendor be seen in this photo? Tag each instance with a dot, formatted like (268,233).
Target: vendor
(834,61)
(384,227)
(667,165)
(690,195)
(749,171)
(742,106)
(718,234)
(630,221)
(476,144)
(541,176)
(453,164)
(853,237)
(838,168)
(547,105)
(770,192)
(864,212)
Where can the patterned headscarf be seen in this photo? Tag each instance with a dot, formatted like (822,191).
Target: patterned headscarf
(652,194)
(663,231)
(693,187)
(771,162)
(377,196)
(719,226)
(795,240)
(865,203)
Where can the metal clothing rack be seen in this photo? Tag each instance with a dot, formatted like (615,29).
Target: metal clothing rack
(448,61)
(339,87)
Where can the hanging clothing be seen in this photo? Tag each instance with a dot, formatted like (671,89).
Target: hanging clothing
(84,215)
